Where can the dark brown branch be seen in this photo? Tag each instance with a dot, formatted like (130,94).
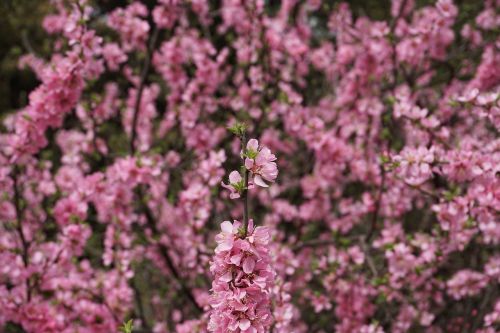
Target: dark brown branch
(491,293)
(164,253)
(149,215)
(369,259)
(429,131)
(423,191)
(244,195)
(378,203)
(19,216)
(140,306)
(140,88)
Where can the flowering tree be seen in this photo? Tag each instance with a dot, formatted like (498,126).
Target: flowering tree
(116,203)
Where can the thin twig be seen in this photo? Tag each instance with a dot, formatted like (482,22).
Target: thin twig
(378,203)
(19,227)
(423,191)
(140,89)
(369,259)
(164,253)
(140,306)
(491,293)
(26,43)
(244,195)
(149,215)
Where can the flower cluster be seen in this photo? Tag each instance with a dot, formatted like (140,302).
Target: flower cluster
(385,215)
(260,162)
(243,277)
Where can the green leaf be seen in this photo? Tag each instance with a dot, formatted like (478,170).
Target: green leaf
(127,327)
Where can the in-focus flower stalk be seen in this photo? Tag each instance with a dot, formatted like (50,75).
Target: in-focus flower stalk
(243,275)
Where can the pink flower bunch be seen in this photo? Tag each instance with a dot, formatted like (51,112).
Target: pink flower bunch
(261,163)
(243,279)
(466,283)
(129,22)
(414,164)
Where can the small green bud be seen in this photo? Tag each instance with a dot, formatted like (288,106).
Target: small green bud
(391,100)
(252,154)
(385,159)
(238,129)
(470,223)
(385,134)
(389,246)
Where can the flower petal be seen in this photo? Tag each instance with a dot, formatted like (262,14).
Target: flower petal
(259,181)
(227,277)
(248,265)
(234,177)
(253,144)
(248,163)
(244,324)
(226,227)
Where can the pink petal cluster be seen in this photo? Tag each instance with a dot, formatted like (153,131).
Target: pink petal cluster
(129,22)
(260,162)
(414,164)
(243,280)
(466,283)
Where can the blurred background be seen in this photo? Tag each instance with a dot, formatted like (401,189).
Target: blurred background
(21,33)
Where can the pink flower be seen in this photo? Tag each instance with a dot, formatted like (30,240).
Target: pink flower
(414,164)
(236,184)
(243,279)
(226,238)
(466,283)
(447,8)
(260,162)
(113,55)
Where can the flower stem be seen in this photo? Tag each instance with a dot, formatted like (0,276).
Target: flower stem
(244,194)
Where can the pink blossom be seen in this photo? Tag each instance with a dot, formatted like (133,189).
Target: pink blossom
(414,165)
(466,283)
(113,55)
(235,184)
(260,162)
(243,278)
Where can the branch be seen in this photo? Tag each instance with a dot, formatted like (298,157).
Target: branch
(149,215)
(244,195)
(140,306)
(164,253)
(373,224)
(19,227)
(369,259)
(378,203)
(140,89)
(491,293)
(26,43)
(421,190)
